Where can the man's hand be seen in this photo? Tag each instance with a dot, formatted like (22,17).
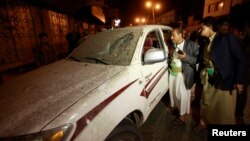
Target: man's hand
(182,56)
(239,88)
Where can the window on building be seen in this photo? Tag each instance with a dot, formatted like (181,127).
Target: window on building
(221,5)
(211,8)
(218,6)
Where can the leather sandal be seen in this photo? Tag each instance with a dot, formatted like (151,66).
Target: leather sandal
(198,128)
(178,122)
(170,110)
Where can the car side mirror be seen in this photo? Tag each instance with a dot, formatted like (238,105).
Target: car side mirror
(154,55)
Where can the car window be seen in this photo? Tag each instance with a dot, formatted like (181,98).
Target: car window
(167,38)
(115,47)
(151,41)
(155,37)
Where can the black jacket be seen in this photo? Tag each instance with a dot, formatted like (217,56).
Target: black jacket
(230,60)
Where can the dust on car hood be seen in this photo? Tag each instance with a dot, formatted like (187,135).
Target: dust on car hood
(32,100)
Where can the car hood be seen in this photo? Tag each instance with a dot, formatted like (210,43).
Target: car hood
(31,101)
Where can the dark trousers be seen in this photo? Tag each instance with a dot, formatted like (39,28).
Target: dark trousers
(1,78)
(241,103)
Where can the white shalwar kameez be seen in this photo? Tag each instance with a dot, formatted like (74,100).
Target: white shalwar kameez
(179,95)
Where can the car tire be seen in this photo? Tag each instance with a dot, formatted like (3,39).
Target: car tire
(125,131)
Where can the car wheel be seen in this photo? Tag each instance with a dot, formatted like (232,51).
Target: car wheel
(125,131)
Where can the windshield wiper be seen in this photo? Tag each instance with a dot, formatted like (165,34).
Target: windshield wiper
(97,60)
(75,59)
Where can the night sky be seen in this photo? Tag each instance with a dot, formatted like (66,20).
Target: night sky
(130,9)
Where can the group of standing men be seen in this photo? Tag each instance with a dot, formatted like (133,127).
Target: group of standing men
(221,74)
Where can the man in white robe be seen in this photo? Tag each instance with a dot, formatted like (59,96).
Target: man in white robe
(182,71)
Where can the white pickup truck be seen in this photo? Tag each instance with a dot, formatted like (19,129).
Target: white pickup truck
(103,90)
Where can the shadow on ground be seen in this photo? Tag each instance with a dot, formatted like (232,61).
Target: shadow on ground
(158,126)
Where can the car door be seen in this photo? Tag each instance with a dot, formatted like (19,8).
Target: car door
(155,74)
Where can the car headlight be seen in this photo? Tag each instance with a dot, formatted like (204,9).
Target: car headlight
(56,134)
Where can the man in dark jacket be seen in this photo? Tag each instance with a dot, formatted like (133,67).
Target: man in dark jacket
(44,52)
(223,76)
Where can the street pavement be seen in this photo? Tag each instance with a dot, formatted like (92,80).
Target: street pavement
(158,126)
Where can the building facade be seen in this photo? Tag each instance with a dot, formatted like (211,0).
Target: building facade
(217,8)
(22,21)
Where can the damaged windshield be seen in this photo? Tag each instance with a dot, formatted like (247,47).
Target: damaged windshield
(115,47)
